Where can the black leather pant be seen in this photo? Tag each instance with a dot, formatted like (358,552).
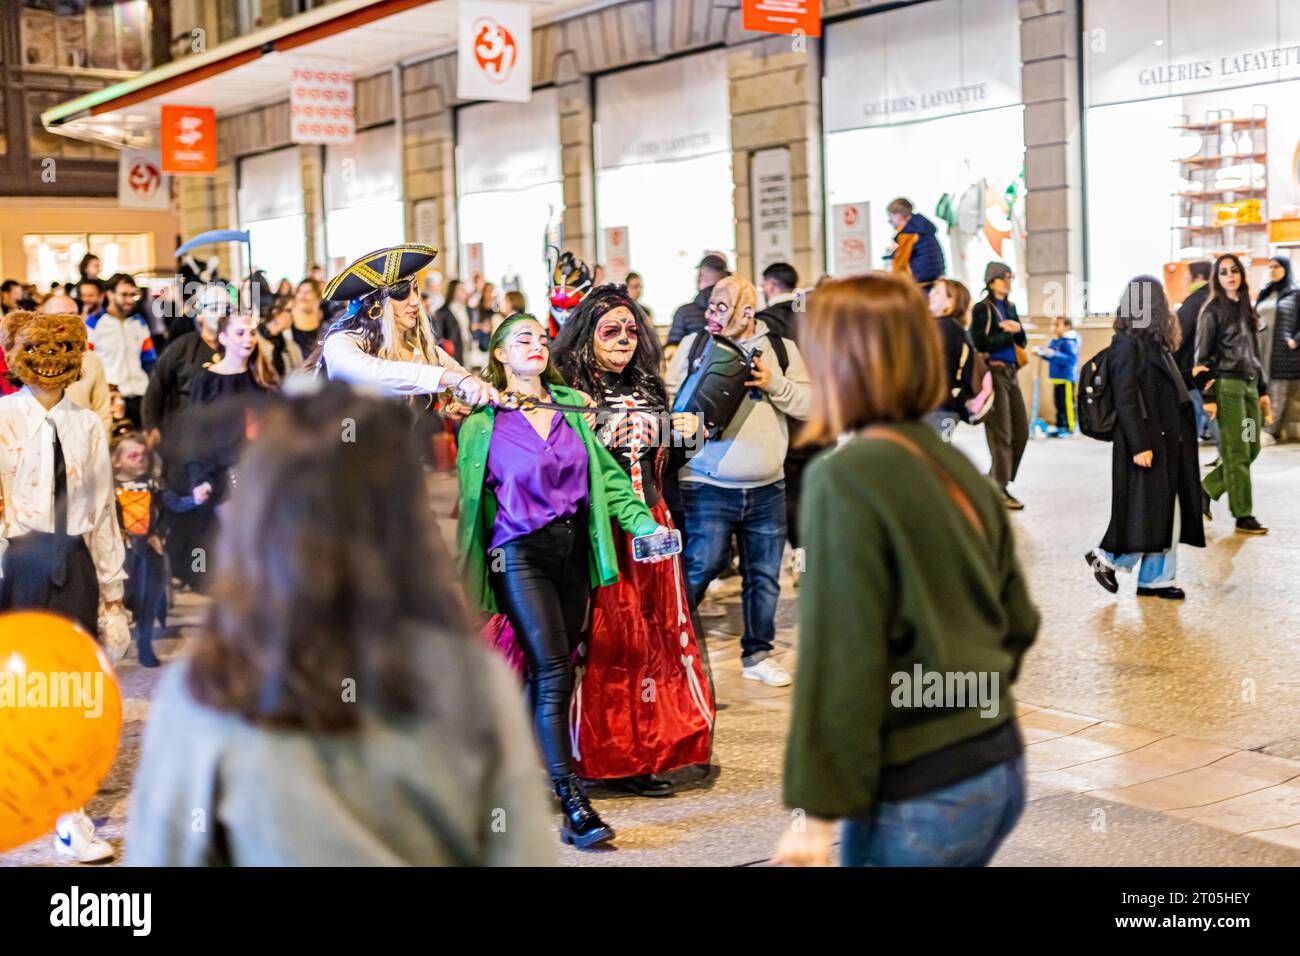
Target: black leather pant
(542,583)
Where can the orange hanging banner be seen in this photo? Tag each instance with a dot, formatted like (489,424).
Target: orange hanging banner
(189,140)
(783,16)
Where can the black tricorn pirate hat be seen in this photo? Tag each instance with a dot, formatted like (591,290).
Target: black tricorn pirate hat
(378,269)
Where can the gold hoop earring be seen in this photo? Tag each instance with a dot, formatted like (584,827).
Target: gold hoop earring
(376,310)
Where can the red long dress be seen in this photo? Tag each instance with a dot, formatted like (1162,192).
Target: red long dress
(641,701)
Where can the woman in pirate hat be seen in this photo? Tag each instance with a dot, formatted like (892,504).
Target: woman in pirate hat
(385,338)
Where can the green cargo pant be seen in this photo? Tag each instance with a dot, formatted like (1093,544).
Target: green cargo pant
(1239,426)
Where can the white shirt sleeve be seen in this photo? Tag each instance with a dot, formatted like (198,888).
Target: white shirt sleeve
(347,361)
(104,539)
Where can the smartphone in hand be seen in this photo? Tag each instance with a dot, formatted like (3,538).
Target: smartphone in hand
(661,544)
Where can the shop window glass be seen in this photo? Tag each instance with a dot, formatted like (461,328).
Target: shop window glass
(965,173)
(511,197)
(54,257)
(663,156)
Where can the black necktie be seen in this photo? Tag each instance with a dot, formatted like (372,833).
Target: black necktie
(60,485)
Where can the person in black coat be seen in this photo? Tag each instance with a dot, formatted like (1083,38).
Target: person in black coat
(689,318)
(1155,476)
(781,291)
(950,302)
(1284,365)
(1185,355)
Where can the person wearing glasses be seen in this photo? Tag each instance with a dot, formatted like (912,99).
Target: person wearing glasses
(1231,376)
(123,341)
(385,339)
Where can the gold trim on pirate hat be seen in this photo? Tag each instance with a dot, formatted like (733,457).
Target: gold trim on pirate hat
(378,269)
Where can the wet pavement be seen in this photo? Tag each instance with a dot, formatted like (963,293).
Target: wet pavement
(1158,732)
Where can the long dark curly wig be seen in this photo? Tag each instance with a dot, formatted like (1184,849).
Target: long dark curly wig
(575,355)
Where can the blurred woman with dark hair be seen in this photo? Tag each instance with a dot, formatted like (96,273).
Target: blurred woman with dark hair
(1155,476)
(641,627)
(911,571)
(1229,363)
(335,713)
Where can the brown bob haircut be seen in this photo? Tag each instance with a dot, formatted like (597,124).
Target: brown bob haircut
(873,353)
(330,569)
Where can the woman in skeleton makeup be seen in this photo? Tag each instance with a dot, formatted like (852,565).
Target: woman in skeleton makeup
(643,704)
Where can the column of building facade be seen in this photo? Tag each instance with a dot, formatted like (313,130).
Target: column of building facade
(429,152)
(775,100)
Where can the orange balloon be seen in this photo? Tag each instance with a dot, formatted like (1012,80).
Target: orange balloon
(60,721)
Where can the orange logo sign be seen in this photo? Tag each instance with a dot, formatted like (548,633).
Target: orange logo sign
(495,49)
(189,140)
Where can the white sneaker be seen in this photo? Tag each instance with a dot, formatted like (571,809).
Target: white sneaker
(74,837)
(768,671)
(1266,439)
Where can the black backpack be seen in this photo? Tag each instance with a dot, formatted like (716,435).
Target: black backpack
(1096,411)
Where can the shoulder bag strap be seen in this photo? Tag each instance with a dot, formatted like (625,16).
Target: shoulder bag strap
(954,490)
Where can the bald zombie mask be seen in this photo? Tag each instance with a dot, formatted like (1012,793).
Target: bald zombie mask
(44,351)
(731,308)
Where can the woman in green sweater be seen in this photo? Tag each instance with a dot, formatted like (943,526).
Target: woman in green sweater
(903,724)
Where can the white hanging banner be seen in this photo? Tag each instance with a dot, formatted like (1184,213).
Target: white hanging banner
(676,109)
(851,235)
(509,145)
(495,51)
(322,105)
(617,257)
(922,61)
(771,205)
(140,182)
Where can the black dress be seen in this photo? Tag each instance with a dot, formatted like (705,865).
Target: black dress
(219,402)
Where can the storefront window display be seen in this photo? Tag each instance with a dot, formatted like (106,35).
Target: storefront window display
(510,189)
(1193,138)
(924,102)
(363,196)
(270,208)
(54,257)
(663,157)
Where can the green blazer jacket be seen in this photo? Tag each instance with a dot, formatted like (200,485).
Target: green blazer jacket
(609,495)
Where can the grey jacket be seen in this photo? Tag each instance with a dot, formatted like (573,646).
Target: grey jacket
(751,452)
(462,787)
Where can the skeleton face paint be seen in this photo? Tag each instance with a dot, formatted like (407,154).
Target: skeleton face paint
(615,339)
(731,308)
(44,351)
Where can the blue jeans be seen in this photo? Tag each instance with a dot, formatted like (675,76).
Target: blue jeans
(1204,423)
(756,516)
(960,825)
(1156,569)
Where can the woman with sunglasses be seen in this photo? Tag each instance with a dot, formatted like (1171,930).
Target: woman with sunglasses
(385,339)
(641,628)
(1231,375)
(538,493)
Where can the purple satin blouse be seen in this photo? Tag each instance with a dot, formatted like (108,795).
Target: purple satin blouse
(535,480)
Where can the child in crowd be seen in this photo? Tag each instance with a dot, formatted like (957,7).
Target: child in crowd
(1062,354)
(140,502)
(117,406)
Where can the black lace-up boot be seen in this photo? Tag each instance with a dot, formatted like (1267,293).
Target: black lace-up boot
(583,827)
